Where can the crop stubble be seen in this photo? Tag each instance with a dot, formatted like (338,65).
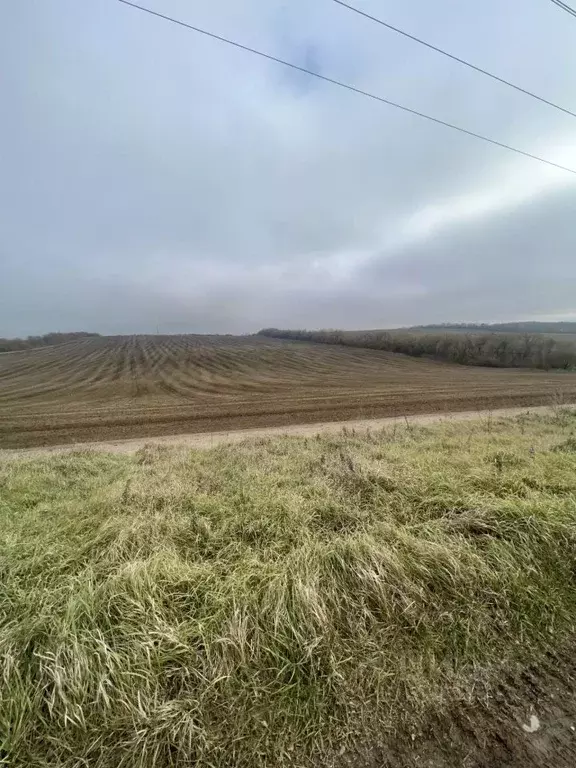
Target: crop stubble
(107,388)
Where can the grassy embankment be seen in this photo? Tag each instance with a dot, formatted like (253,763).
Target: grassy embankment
(278,601)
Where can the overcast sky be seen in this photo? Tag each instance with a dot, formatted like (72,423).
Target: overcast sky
(153,178)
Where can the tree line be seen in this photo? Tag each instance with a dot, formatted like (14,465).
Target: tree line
(491,349)
(30,342)
(525,326)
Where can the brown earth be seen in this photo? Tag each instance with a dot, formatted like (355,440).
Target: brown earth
(205,440)
(110,388)
(528,721)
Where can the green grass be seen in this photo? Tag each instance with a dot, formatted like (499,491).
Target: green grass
(278,602)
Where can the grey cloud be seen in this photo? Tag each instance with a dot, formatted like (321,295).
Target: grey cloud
(520,264)
(153,177)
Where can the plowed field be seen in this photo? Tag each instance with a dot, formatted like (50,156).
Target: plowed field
(105,388)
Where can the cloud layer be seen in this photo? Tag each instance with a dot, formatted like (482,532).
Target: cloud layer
(153,178)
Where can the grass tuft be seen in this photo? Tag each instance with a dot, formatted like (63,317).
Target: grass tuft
(280,601)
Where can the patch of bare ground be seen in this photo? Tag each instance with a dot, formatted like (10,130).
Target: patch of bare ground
(205,440)
(528,721)
(117,388)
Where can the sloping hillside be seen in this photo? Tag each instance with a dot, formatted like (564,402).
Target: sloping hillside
(112,387)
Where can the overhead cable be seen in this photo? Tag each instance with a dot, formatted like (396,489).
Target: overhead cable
(454,58)
(347,86)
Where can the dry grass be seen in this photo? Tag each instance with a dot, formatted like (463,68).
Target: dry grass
(277,602)
(120,387)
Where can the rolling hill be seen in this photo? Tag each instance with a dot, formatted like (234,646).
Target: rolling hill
(106,388)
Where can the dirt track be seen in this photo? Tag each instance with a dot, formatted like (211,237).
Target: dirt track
(106,389)
(210,439)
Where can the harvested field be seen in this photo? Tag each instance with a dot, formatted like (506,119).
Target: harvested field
(107,388)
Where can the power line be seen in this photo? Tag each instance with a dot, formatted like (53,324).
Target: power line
(341,84)
(565,7)
(455,58)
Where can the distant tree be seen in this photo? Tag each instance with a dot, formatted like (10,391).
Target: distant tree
(13,345)
(528,326)
(529,350)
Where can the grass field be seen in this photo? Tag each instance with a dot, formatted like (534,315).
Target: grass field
(105,388)
(338,600)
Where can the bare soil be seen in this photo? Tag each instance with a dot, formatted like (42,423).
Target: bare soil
(204,440)
(528,722)
(114,388)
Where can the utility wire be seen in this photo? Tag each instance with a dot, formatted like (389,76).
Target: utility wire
(341,84)
(565,7)
(455,58)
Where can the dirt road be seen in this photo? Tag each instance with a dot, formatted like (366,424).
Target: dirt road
(205,440)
